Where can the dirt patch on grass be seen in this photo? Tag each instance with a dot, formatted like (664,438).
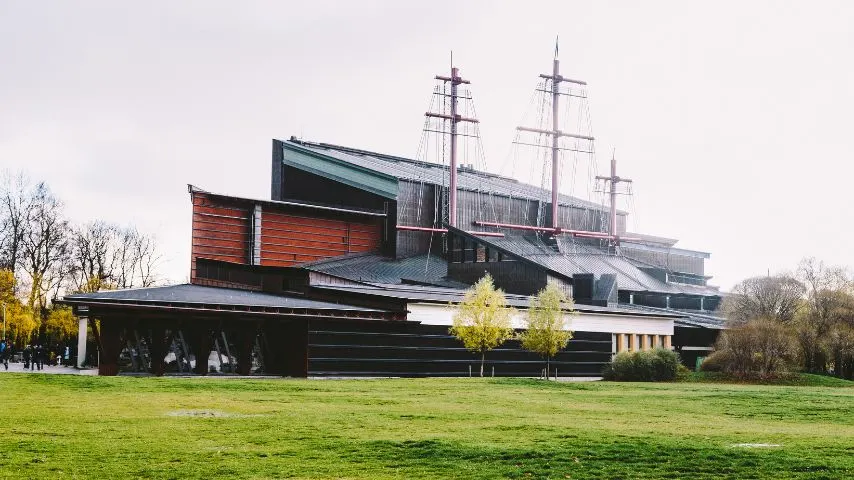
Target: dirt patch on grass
(755,445)
(208,414)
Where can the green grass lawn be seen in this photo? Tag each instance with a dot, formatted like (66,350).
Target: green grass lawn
(97,427)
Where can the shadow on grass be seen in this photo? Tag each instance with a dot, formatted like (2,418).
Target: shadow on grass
(588,458)
(791,380)
(543,384)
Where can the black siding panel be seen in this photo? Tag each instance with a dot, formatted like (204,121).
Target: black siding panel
(411,349)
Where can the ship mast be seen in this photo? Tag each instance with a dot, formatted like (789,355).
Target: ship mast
(451,120)
(454,119)
(611,184)
(556,79)
(555,127)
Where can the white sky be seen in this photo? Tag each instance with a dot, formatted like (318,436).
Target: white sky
(733,118)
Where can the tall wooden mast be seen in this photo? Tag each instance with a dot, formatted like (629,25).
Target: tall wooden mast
(612,183)
(556,79)
(454,118)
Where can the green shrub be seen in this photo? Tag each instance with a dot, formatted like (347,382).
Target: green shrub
(655,365)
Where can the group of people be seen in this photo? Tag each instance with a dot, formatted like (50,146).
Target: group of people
(34,356)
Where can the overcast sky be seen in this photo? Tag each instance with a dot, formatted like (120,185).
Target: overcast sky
(734,119)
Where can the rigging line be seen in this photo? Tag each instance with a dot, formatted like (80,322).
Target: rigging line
(426,122)
(591,161)
(514,149)
(570,127)
(444,154)
(437,209)
(542,156)
(429,249)
(425,145)
(482,157)
(593,157)
(541,126)
(634,210)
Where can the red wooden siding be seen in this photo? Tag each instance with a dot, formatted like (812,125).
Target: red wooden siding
(288,239)
(220,231)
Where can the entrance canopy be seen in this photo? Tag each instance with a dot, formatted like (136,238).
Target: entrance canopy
(266,332)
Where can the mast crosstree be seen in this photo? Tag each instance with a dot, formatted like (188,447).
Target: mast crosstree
(611,183)
(454,119)
(553,85)
(555,79)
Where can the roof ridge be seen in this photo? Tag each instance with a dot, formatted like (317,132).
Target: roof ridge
(484,176)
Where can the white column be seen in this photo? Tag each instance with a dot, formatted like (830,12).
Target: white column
(82,331)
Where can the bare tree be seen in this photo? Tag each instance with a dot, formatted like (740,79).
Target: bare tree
(108,256)
(93,255)
(829,291)
(825,322)
(137,259)
(776,297)
(148,259)
(14,210)
(45,247)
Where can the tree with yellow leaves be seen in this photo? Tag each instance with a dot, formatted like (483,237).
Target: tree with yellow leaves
(20,323)
(60,322)
(482,320)
(547,332)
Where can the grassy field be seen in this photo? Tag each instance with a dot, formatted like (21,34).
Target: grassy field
(91,427)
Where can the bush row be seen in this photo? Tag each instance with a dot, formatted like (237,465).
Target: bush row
(655,365)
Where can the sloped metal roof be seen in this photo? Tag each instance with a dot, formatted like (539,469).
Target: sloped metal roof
(202,295)
(419,293)
(568,259)
(690,318)
(388,166)
(376,268)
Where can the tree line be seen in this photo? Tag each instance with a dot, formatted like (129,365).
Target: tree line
(801,320)
(43,255)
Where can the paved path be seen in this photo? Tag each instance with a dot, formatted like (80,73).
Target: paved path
(19,368)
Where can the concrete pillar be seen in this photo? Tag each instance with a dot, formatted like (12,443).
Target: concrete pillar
(632,298)
(667,301)
(82,332)
(701,303)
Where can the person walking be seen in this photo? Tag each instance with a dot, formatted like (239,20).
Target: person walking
(5,350)
(39,357)
(28,356)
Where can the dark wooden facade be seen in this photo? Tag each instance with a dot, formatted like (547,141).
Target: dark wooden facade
(412,349)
